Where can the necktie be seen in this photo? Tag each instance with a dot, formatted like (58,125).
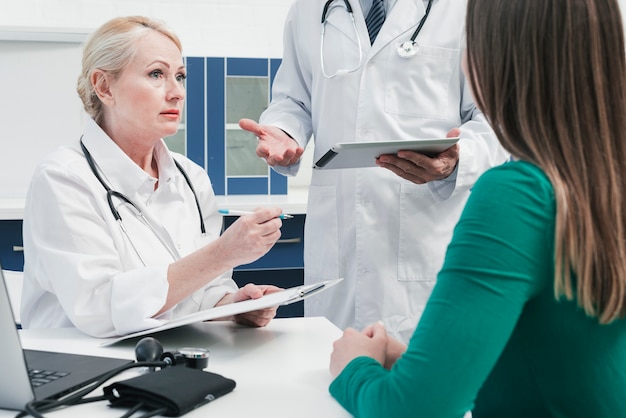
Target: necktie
(375,18)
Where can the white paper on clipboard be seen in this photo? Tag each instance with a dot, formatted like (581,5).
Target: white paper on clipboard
(364,154)
(283,297)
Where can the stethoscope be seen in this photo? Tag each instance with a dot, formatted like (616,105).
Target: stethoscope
(406,49)
(116,214)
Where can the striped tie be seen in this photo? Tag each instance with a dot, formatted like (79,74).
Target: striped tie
(375,19)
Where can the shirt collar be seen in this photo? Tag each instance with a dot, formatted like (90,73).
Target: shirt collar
(367,4)
(117,169)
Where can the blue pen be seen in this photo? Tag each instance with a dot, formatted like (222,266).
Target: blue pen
(245,212)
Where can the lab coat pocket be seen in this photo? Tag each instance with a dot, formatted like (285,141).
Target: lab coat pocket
(321,253)
(421,246)
(420,86)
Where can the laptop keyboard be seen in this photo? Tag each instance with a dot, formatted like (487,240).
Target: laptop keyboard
(41,377)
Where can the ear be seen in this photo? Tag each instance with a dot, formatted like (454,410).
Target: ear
(101,82)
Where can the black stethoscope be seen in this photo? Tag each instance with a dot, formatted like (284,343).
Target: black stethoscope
(406,49)
(114,193)
(410,48)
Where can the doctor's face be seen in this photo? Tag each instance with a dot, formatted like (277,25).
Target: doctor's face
(148,95)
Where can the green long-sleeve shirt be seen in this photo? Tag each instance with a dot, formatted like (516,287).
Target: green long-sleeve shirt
(493,339)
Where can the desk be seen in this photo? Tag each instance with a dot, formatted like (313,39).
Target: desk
(281,370)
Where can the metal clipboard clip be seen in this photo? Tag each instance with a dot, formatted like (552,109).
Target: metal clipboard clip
(304,292)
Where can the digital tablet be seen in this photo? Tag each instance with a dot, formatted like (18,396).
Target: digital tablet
(364,154)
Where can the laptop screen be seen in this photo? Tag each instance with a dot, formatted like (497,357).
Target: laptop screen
(16,389)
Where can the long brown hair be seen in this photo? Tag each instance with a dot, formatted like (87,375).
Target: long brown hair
(550,75)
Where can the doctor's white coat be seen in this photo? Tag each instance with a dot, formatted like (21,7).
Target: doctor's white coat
(386,236)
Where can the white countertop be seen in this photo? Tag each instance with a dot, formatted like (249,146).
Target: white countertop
(281,370)
(12,208)
(293,203)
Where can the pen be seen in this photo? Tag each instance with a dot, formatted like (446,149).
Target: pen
(245,212)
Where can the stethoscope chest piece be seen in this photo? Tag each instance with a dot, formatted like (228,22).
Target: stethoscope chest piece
(408,49)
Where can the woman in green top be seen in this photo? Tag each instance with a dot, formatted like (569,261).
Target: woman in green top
(527,317)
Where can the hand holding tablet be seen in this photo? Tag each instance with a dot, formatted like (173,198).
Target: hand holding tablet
(364,154)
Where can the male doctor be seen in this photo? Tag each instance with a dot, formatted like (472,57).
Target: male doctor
(383,229)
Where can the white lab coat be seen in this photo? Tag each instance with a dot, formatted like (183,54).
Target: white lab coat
(386,236)
(81,270)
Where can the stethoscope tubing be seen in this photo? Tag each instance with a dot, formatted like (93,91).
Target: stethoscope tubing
(406,49)
(110,194)
(356,33)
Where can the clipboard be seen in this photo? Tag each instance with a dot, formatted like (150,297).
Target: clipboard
(364,154)
(282,297)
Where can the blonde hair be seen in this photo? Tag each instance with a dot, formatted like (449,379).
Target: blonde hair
(550,76)
(111,48)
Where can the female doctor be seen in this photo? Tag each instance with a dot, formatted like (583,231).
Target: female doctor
(385,230)
(119,232)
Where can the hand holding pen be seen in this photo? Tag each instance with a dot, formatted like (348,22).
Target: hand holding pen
(251,236)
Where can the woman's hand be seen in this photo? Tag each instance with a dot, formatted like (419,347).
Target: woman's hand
(250,237)
(395,348)
(372,342)
(259,318)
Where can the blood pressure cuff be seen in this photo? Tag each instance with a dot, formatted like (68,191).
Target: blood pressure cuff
(172,392)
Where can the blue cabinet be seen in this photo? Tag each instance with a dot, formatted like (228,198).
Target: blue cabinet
(220,91)
(11,252)
(287,253)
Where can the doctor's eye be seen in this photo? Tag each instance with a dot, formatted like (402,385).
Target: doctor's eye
(156,74)
(181,77)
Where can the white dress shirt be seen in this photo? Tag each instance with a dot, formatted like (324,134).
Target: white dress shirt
(82,270)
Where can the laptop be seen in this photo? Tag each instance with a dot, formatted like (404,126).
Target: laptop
(35,375)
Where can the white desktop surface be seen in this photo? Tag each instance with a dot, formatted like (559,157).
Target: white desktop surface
(281,370)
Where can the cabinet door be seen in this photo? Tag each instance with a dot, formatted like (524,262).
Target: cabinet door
(220,91)
(11,250)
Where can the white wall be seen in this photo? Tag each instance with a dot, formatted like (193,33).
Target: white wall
(40,108)
(245,28)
